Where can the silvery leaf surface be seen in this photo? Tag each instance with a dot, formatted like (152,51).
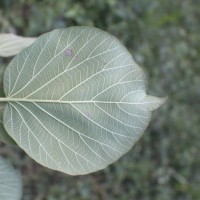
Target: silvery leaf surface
(4,136)
(76,100)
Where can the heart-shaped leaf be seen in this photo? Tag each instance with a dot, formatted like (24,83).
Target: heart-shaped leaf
(76,100)
(10,182)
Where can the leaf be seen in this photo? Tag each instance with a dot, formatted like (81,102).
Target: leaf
(2,70)
(4,137)
(11,44)
(10,182)
(76,100)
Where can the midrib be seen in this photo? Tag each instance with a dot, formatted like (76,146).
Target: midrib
(7,99)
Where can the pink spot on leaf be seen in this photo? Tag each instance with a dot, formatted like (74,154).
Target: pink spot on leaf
(68,52)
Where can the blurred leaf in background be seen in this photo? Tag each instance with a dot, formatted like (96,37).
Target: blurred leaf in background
(163,37)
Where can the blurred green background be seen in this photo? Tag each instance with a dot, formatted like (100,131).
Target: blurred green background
(164,38)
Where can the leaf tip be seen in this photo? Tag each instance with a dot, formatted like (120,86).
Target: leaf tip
(152,103)
(157,102)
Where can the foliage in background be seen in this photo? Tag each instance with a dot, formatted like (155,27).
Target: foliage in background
(10,181)
(163,36)
(11,44)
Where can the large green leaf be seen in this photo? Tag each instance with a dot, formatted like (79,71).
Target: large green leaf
(11,44)
(10,182)
(76,100)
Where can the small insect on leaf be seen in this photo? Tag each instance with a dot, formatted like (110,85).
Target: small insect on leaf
(69,52)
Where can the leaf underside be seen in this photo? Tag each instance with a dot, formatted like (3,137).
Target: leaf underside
(4,136)
(76,100)
(10,182)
